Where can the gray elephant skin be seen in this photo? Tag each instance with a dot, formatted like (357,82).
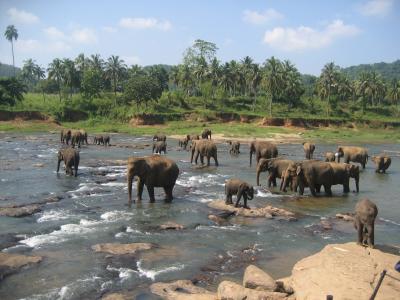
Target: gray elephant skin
(262,150)
(159,137)
(343,172)
(152,171)
(276,168)
(353,154)
(206,133)
(239,188)
(382,163)
(309,149)
(71,158)
(101,140)
(235,147)
(159,147)
(204,148)
(364,222)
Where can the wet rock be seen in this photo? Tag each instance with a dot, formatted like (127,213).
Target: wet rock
(217,220)
(121,249)
(181,290)
(284,285)
(38,165)
(349,217)
(264,212)
(160,253)
(8,240)
(255,278)
(326,225)
(118,296)
(347,271)
(171,226)
(233,291)
(10,263)
(20,211)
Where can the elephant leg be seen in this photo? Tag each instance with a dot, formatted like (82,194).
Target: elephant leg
(370,239)
(76,169)
(318,188)
(202,159)
(216,160)
(328,190)
(208,160)
(245,201)
(360,232)
(346,188)
(140,185)
(312,190)
(150,189)
(168,193)
(228,199)
(238,197)
(197,157)
(269,179)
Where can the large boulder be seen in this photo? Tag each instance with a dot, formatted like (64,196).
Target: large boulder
(121,249)
(21,211)
(228,290)
(255,278)
(10,263)
(346,271)
(181,290)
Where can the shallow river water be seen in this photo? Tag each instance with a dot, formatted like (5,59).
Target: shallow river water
(93,210)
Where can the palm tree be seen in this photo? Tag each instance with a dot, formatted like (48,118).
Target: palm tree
(174,76)
(328,82)
(11,34)
(114,70)
(38,71)
(56,72)
(28,71)
(96,62)
(247,67)
(226,80)
(292,83)
(394,92)
(255,80)
(69,74)
(272,79)
(186,79)
(214,74)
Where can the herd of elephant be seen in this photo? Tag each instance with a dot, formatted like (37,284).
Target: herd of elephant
(160,171)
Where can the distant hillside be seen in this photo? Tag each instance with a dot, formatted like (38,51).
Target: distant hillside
(7,70)
(166,67)
(388,71)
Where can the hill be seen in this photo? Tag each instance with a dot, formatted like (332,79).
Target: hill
(7,70)
(389,71)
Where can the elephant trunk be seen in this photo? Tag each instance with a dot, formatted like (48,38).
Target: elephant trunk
(285,182)
(357,180)
(130,179)
(251,154)
(58,165)
(258,176)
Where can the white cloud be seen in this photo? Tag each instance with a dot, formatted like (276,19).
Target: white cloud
(54,33)
(58,46)
(79,36)
(145,23)
(258,18)
(306,38)
(131,60)
(84,36)
(26,46)
(376,7)
(21,16)
(109,29)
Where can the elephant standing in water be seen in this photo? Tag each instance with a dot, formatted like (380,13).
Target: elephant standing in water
(159,147)
(342,174)
(263,150)
(308,149)
(235,146)
(159,137)
(206,133)
(152,171)
(204,148)
(183,143)
(382,163)
(364,222)
(76,138)
(70,157)
(354,154)
(65,136)
(330,157)
(239,188)
(84,137)
(276,168)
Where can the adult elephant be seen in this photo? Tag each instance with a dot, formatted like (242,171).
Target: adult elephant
(70,157)
(98,140)
(342,174)
(276,168)
(159,147)
(76,138)
(309,149)
(311,174)
(235,147)
(204,148)
(330,157)
(206,133)
(183,143)
(152,171)
(382,163)
(84,136)
(65,136)
(353,154)
(159,137)
(262,150)
(192,137)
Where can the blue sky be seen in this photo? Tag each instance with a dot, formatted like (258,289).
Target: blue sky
(309,33)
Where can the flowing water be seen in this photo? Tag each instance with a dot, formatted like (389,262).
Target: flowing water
(93,210)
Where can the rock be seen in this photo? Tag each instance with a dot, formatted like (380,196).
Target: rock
(171,226)
(118,296)
(38,165)
(182,290)
(217,220)
(349,217)
(10,263)
(8,240)
(233,291)
(255,278)
(285,285)
(346,271)
(326,225)
(122,249)
(21,211)
(264,212)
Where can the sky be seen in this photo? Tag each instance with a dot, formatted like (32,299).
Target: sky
(309,33)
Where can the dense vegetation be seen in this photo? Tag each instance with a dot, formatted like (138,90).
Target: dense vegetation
(388,71)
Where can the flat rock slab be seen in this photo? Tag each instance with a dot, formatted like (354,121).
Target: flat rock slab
(181,290)
(21,211)
(263,212)
(119,296)
(122,249)
(10,263)
(346,271)
(233,291)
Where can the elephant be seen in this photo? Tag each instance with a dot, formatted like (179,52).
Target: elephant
(276,168)
(308,149)
(159,147)
(65,136)
(343,172)
(76,138)
(98,140)
(204,148)
(106,140)
(330,157)
(152,171)
(263,150)
(235,147)
(354,154)
(70,157)
(239,188)
(159,137)
(84,137)
(184,142)
(364,222)
(192,137)
(312,174)
(382,163)
(206,133)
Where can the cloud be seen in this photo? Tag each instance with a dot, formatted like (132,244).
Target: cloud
(84,36)
(307,38)
(376,7)
(27,46)
(54,33)
(131,60)
(145,23)
(109,29)
(21,16)
(258,18)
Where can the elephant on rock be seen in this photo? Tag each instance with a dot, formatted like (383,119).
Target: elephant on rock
(262,150)
(364,222)
(239,188)
(152,171)
(276,168)
(309,149)
(70,157)
(204,148)
(382,163)
(353,154)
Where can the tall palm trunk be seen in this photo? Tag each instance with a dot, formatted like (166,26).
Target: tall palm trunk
(12,50)
(59,90)
(270,105)
(115,91)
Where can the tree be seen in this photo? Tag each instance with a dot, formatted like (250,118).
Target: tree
(114,71)
(92,83)
(38,71)
(55,70)
(394,92)
(11,90)
(11,34)
(142,89)
(201,50)
(272,79)
(328,83)
(69,74)
(28,72)
(292,83)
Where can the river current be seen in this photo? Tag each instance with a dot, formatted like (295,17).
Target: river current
(93,210)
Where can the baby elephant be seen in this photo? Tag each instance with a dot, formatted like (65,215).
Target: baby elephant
(239,188)
(330,157)
(70,157)
(235,146)
(366,212)
(160,146)
(382,163)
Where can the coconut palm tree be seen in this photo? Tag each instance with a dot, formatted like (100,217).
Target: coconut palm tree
(186,79)
(272,79)
(328,83)
(394,92)
(114,71)
(255,81)
(214,74)
(226,78)
(247,67)
(39,72)
(69,74)
(292,83)
(28,70)
(11,34)
(56,71)
(96,63)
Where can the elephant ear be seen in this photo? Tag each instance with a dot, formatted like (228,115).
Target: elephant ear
(298,170)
